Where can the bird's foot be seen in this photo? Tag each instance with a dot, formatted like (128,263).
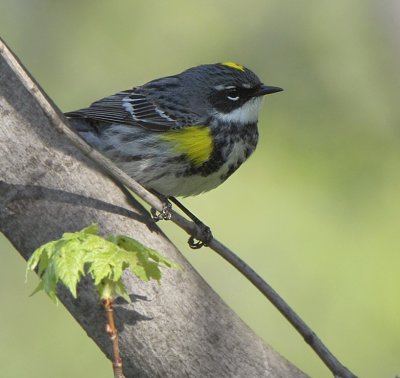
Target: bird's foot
(206,236)
(164,214)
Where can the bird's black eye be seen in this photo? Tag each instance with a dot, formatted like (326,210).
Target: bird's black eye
(232,94)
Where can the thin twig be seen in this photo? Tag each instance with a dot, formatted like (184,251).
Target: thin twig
(60,122)
(308,334)
(113,333)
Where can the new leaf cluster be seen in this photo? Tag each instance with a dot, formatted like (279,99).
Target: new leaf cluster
(84,252)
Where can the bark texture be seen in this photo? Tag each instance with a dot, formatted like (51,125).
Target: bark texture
(180,328)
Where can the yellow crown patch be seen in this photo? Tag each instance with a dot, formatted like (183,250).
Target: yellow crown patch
(233,65)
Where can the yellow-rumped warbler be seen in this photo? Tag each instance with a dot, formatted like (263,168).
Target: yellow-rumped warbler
(179,135)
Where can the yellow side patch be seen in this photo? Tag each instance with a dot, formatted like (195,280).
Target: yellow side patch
(236,66)
(195,142)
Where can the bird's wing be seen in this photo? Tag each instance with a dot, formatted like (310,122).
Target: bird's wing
(128,107)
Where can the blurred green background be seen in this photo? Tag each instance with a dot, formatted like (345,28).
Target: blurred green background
(315,210)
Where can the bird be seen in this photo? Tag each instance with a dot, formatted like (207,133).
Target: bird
(179,135)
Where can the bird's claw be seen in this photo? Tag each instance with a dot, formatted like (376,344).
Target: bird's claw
(206,237)
(164,214)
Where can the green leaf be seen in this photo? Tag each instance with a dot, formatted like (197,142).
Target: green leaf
(119,290)
(59,260)
(93,229)
(69,263)
(112,289)
(144,253)
(38,288)
(104,260)
(65,260)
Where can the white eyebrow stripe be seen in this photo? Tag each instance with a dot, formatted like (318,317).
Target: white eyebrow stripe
(223,87)
(220,87)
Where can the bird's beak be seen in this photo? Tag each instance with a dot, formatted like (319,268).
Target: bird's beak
(266,89)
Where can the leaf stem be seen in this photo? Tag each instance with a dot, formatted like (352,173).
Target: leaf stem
(113,333)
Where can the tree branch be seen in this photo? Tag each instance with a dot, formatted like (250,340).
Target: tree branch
(48,186)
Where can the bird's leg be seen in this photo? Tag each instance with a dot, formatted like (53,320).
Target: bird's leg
(165,213)
(206,235)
